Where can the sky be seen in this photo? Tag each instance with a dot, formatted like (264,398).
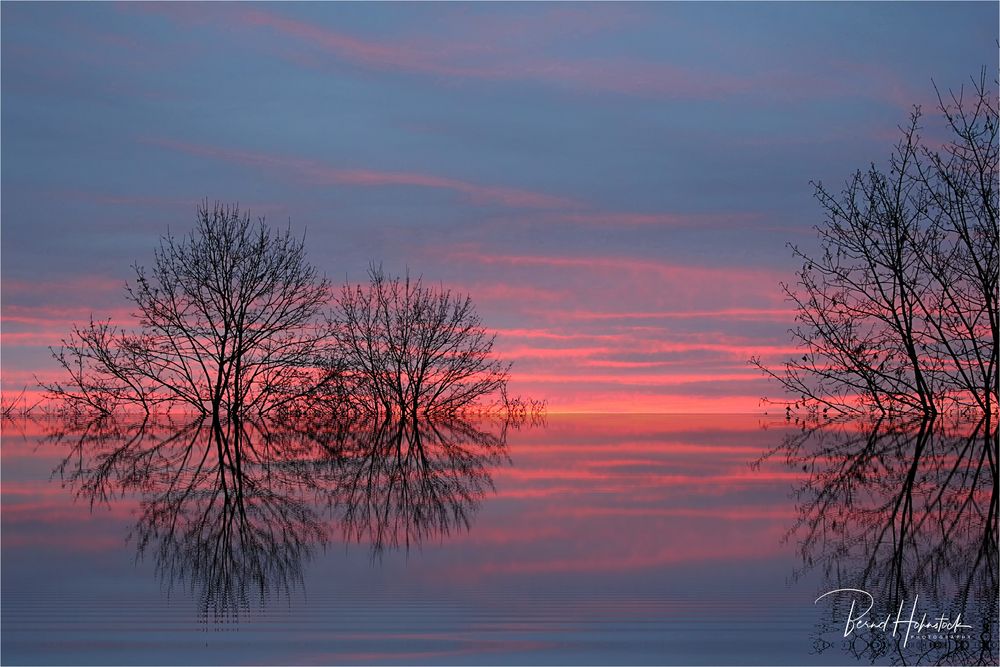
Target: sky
(615,185)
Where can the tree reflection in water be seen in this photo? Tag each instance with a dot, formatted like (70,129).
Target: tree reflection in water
(232,510)
(908,513)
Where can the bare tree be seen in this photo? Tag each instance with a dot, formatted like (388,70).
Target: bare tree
(410,349)
(228,321)
(898,311)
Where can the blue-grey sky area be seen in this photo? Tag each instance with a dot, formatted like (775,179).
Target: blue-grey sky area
(613,183)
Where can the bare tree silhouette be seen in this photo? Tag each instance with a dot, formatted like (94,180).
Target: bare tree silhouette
(408,348)
(228,323)
(898,312)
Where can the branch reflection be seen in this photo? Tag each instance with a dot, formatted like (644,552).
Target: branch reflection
(232,510)
(908,513)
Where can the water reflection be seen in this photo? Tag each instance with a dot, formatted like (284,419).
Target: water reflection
(233,510)
(906,513)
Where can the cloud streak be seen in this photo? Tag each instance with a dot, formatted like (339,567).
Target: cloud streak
(479,59)
(319,173)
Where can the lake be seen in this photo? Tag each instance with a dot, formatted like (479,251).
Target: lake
(585,539)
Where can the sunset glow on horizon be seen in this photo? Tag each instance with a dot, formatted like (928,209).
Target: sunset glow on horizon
(614,185)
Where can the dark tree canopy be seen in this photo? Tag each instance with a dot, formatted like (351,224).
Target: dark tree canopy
(409,348)
(232,319)
(897,313)
(229,320)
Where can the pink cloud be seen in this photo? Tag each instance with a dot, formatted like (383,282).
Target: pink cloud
(49,326)
(741,314)
(626,279)
(322,174)
(549,334)
(367,52)
(78,286)
(484,292)
(677,220)
(657,380)
(494,49)
(487,56)
(569,397)
(732,349)
(490,47)
(32,339)
(566,210)
(480,193)
(522,352)
(612,263)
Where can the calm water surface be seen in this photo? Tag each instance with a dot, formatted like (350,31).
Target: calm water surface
(590,539)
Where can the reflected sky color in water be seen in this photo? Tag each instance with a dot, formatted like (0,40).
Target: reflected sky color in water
(906,516)
(644,539)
